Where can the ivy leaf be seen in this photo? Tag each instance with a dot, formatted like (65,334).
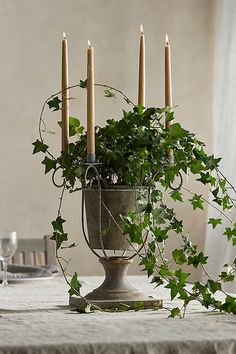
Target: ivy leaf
(83,84)
(214,286)
(230,304)
(134,231)
(75,286)
(214,222)
(198,259)
(175,312)
(149,263)
(207,299)
(196,167)
(157,280)
(59,238)
(226,277)
(49,164)
(164,271)
(215,192)
(226,203)
(177,225)
(109,93)
(79,171)
(229,233)
(211,162)
(222,184)
(176,195)
(54,103)
(169,116)
(74,126)
(179,256)
(39,146)
(86,309)
(58,224)
(139,109)
(159,215)
(156,196)
(174,288)
(160,235)
(207,178)
(197,202)
(177,132)
(182,277)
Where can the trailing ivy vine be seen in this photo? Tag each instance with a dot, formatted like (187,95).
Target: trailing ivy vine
(132,152)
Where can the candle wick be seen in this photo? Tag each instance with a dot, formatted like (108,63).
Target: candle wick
(89,44)
(167,39)
(141,29)
(64,35)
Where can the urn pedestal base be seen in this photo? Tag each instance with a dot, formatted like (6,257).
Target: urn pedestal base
(116,291)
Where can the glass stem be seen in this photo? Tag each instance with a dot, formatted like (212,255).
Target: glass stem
(4,280)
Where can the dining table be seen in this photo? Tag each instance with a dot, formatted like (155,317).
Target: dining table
(35,318)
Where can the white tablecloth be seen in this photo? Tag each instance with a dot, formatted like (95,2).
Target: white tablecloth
(34,319)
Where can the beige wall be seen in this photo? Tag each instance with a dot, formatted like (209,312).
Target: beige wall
(30,60)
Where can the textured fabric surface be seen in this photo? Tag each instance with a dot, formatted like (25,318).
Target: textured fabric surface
(35,319)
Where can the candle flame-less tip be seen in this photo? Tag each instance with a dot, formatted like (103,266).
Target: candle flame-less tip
(64,35)
(89,44)
(167,39)
(141,29)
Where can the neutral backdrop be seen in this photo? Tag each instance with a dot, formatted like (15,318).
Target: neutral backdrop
(30,70)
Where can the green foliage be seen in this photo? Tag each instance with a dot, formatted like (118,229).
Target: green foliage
(229,305)
(214,222)
(230,232)
(179,256)
(74,126)
(176,195)
(197,202)
(58,232)
(132,151)
(83,83)
(198,259)
(109,93)
(39,146)
(86,309)
(75,288)
(54,103)
(213,286)
(50,164)
(175,312)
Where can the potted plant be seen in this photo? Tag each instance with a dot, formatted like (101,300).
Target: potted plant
(133,152)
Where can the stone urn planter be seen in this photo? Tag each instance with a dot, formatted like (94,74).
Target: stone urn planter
(115,200)
(104,225)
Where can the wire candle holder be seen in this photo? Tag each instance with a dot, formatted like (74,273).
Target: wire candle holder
(115,289)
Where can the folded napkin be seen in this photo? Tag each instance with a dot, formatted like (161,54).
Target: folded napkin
(17,271)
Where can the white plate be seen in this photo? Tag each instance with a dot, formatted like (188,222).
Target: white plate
(23,280)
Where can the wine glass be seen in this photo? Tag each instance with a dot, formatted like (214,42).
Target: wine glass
(8,246)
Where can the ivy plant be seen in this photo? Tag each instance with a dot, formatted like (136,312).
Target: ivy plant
(132,151)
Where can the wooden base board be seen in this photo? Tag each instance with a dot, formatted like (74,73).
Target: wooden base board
(79,303)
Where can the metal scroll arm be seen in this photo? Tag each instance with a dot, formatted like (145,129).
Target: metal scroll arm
(54,178)
(179,185)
